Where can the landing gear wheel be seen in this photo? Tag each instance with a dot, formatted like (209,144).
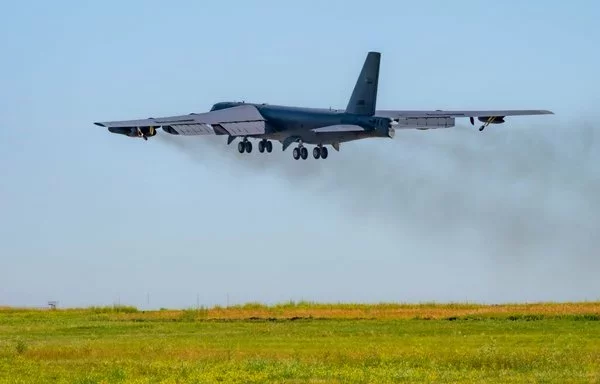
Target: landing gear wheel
(481,128)
(304,153)
(296,153)
(248,146)
(324,153)
(241,147)
(316,152)
(261,146)
(269,146)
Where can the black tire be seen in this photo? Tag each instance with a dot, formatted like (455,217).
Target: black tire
(261,146)
(269,146)
(324,153)
(241,147)
(316,152)
(304,153)
(248,147)
(296,153)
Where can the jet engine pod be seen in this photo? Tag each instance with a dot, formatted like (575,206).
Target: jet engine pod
(391,129)
(141,132)
(149,131)
(391,132)
(491,119)
(169,129)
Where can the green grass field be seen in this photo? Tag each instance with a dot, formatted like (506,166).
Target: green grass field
(297,343)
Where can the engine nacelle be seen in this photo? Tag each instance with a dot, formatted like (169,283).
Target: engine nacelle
(169,129)
(141,132)
(491,119)
(146,131)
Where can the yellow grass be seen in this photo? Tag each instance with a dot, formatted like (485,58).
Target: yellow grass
(255,343)
(388,311)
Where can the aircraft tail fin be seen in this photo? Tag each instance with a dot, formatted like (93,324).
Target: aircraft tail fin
(364,96)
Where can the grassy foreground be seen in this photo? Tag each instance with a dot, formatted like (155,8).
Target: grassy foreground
(303,342)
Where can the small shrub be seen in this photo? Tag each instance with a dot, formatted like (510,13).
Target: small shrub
(115,309)
(21,347)
(525,317)
(117,375)
(188,315)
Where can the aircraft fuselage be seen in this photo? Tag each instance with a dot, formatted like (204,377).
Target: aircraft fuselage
(318,126)
(285,122)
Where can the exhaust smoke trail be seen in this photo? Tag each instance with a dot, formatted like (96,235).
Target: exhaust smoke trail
(523,199)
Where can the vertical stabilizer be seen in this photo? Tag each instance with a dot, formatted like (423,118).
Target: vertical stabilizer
(364,96)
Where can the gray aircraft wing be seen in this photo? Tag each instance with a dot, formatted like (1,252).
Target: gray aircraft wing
(236,121)
(444,119)
(441,113)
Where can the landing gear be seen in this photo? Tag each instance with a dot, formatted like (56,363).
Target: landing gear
(300,152)
(245,146)
(320,152)
(317,152)
(304,153)
(490,120)
(265,145)
(487,120)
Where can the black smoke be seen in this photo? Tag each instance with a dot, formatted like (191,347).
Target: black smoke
(524,198)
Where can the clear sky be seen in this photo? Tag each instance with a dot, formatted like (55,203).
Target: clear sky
(91,218)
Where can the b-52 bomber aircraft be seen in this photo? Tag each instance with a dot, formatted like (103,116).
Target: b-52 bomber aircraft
(301,126)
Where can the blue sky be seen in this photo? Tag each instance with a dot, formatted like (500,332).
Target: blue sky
(90,218)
